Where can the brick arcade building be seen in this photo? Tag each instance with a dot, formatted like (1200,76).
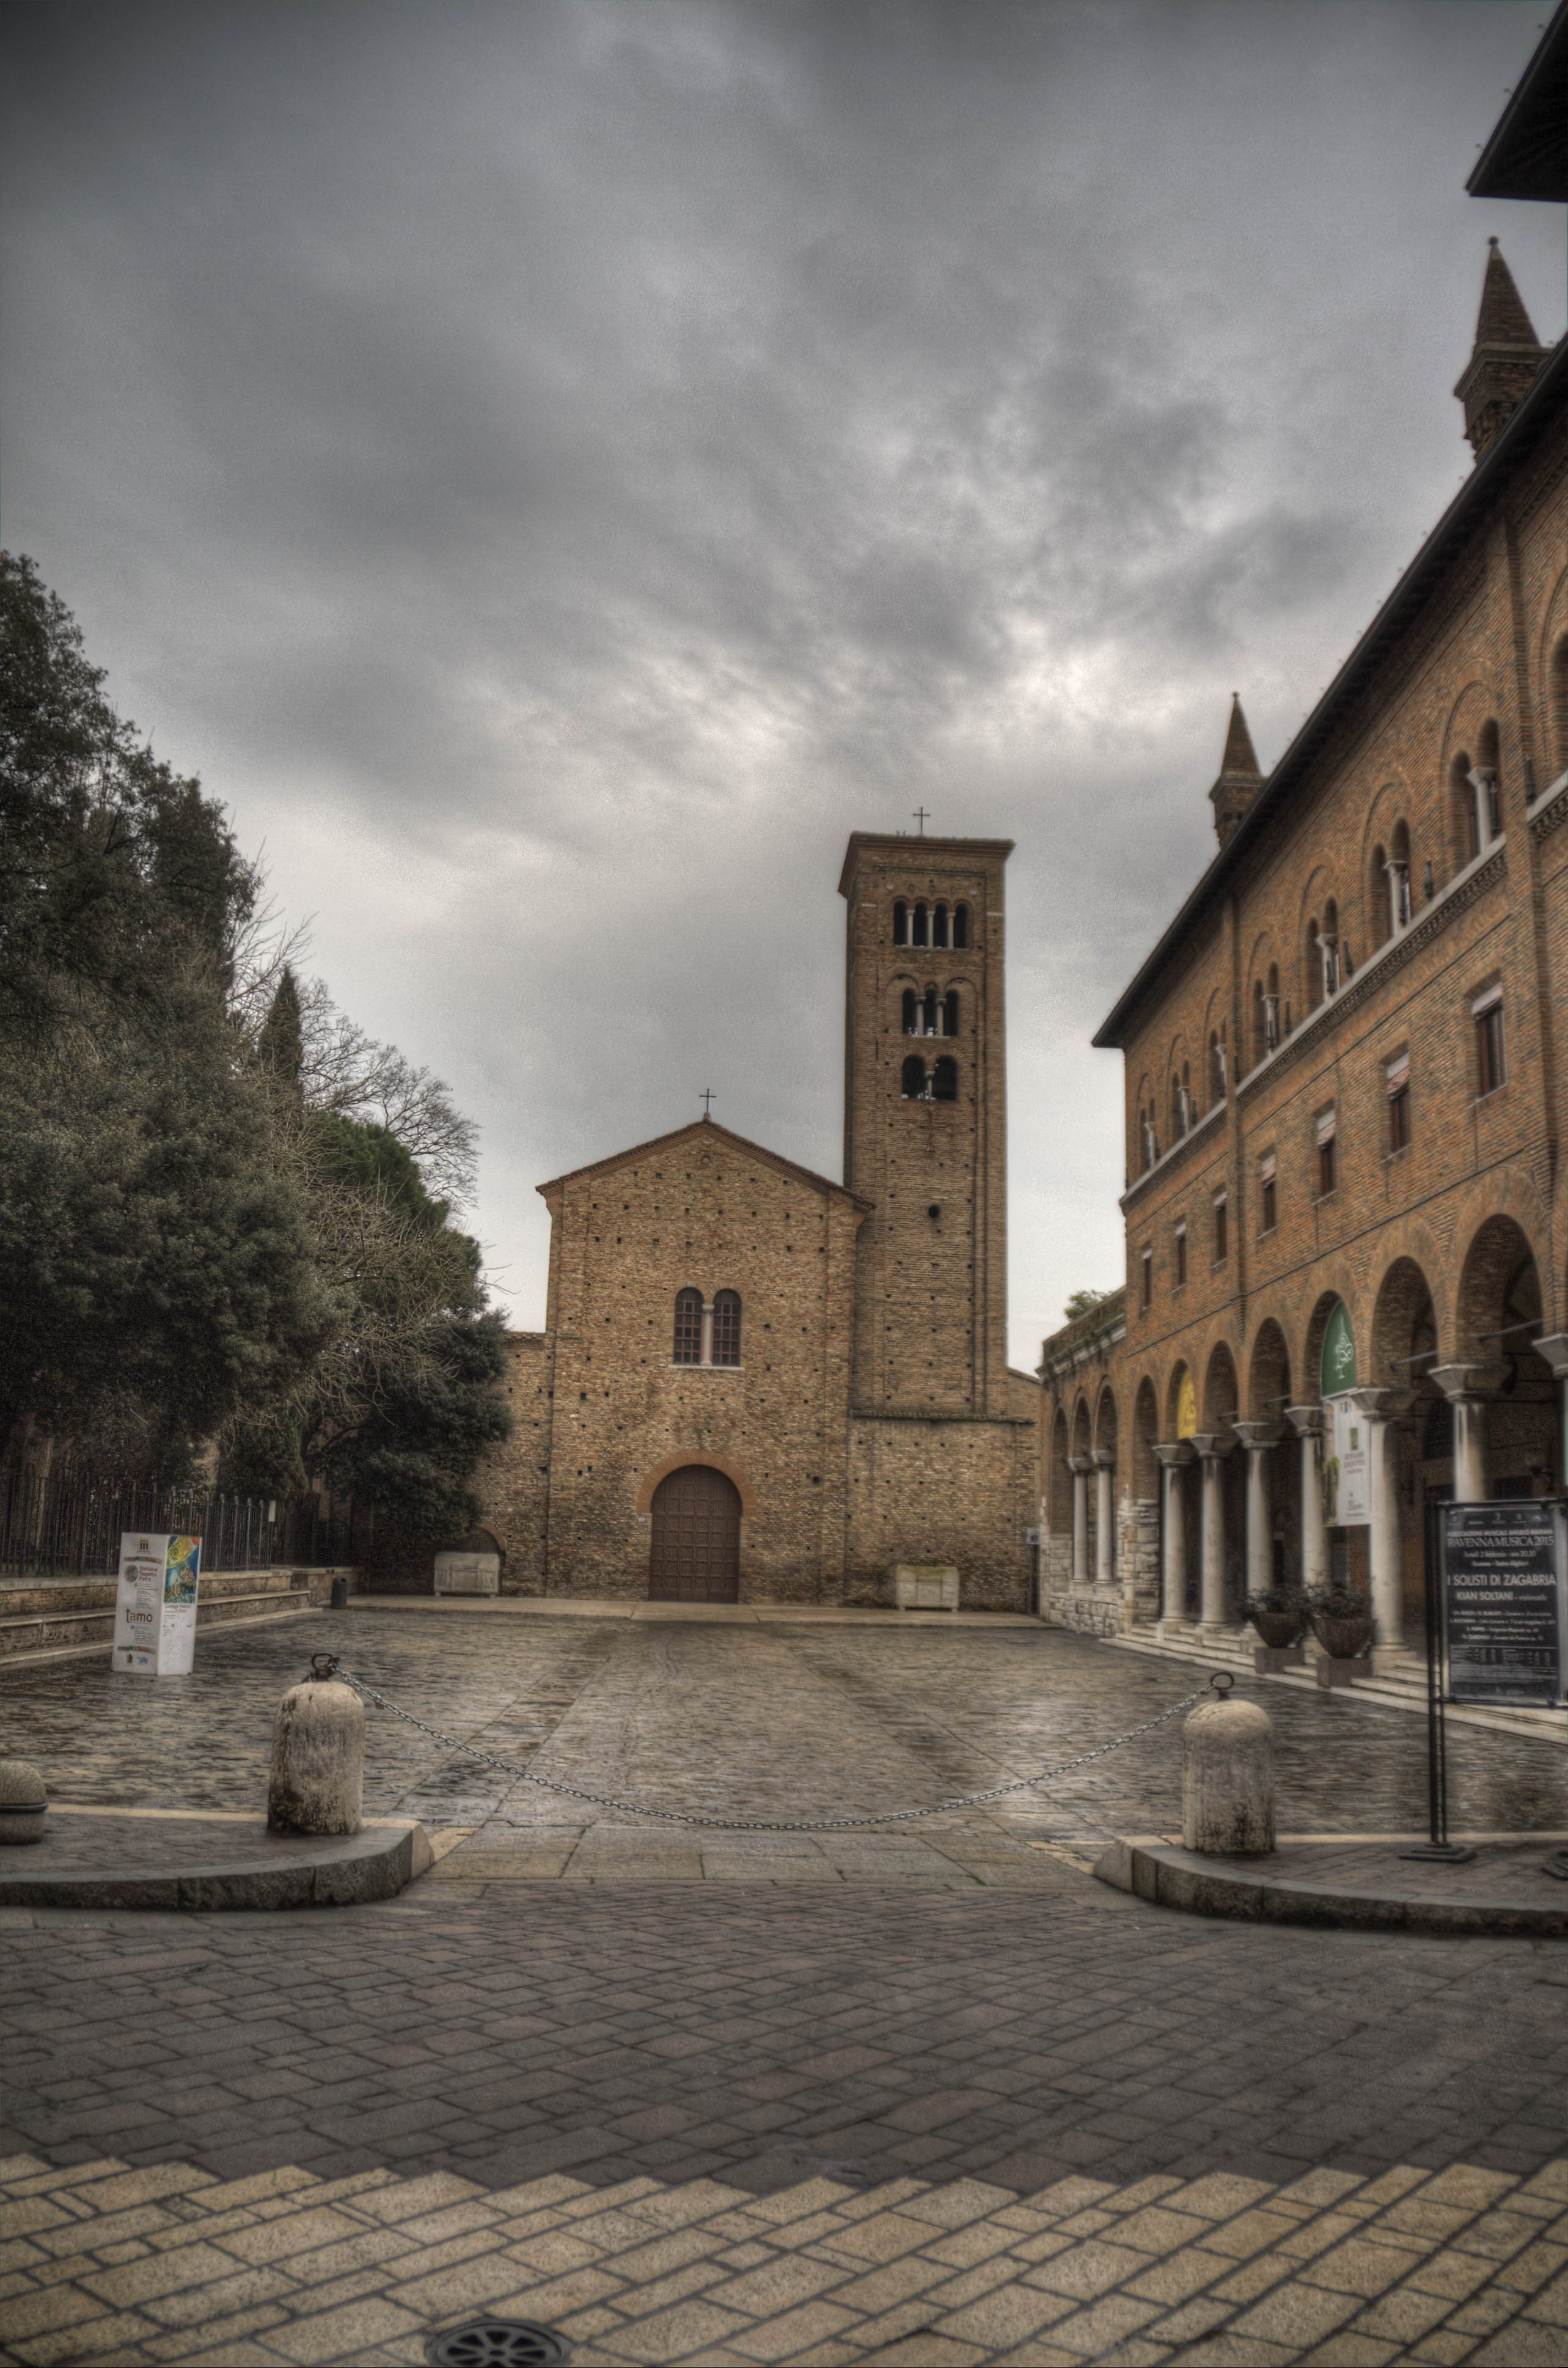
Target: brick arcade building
(1346,1089)
(755,1385)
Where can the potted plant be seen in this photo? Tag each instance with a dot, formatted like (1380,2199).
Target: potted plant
(1342,1620)
(1279,1616)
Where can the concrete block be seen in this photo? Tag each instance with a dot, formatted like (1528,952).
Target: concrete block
(318,1760)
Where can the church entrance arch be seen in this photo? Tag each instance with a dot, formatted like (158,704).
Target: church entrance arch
(696,1551)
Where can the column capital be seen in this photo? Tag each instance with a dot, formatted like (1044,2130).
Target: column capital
(1306,1421)
(1103,1458)
(1474,1378)
(1381,1405)
(1212,1444)
(1554,1349)
(1255,1435)
(1172,1453)
(1079,1464)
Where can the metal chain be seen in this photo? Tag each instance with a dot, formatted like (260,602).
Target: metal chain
(755,1825)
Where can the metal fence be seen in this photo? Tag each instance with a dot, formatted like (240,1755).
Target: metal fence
(68,1524)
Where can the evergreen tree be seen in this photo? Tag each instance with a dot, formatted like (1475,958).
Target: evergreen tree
(281,1045)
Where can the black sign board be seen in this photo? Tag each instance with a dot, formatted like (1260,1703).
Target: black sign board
(1502,1602)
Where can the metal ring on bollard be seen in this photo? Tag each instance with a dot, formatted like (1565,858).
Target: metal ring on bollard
(1223,1682)
(323,1666)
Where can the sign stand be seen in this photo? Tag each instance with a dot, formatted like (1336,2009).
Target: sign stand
(1437,1846)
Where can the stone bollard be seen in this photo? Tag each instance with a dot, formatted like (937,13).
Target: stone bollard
(23,1801)
(1227,1779)
(318,1756)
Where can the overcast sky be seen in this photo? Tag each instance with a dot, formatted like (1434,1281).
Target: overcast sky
(555,470)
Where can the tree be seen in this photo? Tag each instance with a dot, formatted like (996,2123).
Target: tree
(281,1045)
(1084,1302)
(155,1267)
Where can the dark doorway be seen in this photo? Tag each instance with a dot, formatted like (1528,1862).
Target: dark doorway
(696,1552)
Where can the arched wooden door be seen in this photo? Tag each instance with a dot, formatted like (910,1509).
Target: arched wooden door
(696,1552)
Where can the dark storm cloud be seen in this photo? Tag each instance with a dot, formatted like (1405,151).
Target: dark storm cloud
(556,470)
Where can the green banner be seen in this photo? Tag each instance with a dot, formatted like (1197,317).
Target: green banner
(1336,1367)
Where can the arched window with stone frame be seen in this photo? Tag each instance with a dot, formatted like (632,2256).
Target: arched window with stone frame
(688,1327)
(901,923)
(961,927)
(945,1080)
(727,1328)
(913,1081)
(921,930)
(911,1012)
(950,1012)
(939,926)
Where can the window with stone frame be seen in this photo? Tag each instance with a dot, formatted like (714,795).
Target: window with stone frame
(1490,1064)
(913,1086)
(1326,1129)
(1147,1263)
(727,1328)
(1268,1192)
(688,1327)
(1180,1255)
(945,1080)
(1396,1079)
(1222,1228)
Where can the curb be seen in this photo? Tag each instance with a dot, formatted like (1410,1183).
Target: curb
(1169,1877)
(375,1864)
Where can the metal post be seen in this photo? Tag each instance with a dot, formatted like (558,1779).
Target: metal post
(1437,1846)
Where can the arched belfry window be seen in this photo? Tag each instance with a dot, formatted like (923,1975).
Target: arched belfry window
(930,1011)
(960,926)
(945,1080)
(901,923)
(939,926)
(922,927)
(950,1012)
(911,1012)
(688,1327)
(727,1328)
(914,1078)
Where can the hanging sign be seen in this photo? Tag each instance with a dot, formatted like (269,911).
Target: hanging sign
(1336,1365)
(1504,1602)
(154,1612)
(1347,1471)
(1186,1406)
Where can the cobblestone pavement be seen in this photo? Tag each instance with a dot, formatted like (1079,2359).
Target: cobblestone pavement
(820,2122)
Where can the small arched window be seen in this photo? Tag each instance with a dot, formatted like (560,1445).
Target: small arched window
(945,1080)
(914,1078)
(922,936)
(1314,967)
(688,1327)
(911,1012)
(960,912)
(1259,1021)
(1380,897)
(1559,701)
(727,1328)
(1219,1080)
(930,1011)
(950,1012)
(939,926)
(1330,947)
(901,923)
(1467,813)
(1271,1009)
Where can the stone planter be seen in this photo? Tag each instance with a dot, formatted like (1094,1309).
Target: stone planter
(1344,1639)
(1278,1630)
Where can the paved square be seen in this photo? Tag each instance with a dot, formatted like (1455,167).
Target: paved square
(809,2116)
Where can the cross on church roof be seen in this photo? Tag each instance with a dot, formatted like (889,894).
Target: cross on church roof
(705,1098)
(922,817)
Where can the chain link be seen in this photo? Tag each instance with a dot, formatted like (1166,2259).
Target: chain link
(760,1825)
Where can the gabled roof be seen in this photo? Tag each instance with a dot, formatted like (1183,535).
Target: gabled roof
(1541,410)
(1527,156)
(704,1130)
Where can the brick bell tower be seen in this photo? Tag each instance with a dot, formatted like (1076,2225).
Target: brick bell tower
(924,1122)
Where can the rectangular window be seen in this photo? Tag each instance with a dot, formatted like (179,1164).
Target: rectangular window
(1326,1123)
(1267,1191)
(1180,1255)
(1222,1233)
(1148,1278)
(1397,1078)
(1490,1069)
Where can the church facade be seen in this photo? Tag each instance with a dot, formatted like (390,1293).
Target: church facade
(755,1384)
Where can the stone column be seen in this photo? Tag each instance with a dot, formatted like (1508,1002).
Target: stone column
(1379,1408)
(1258,1438)
(1212,1447)
(1173,1454)
(1105,1517)
(1466,1387)
(1306,1421)
(1080,1467)
(1554,1349)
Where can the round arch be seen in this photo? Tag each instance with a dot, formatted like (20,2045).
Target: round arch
(732,1471)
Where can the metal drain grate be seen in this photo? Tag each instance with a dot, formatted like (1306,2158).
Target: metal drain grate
(497,2343)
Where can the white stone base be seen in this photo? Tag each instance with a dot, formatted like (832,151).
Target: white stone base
(925,1586)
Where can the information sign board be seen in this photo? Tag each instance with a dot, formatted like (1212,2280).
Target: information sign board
(1346,1476)
(1503,1601)
(154,1612)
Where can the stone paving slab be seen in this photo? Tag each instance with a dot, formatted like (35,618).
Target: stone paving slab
(109,2264)
(1366,1887)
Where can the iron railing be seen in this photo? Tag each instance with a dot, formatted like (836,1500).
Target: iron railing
(68,1523)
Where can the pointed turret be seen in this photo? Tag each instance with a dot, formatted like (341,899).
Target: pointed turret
(1505,360)
(1240,778)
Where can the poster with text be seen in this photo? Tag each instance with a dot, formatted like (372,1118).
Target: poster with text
(1504,1612)
(1346,1472)
(155,1612)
